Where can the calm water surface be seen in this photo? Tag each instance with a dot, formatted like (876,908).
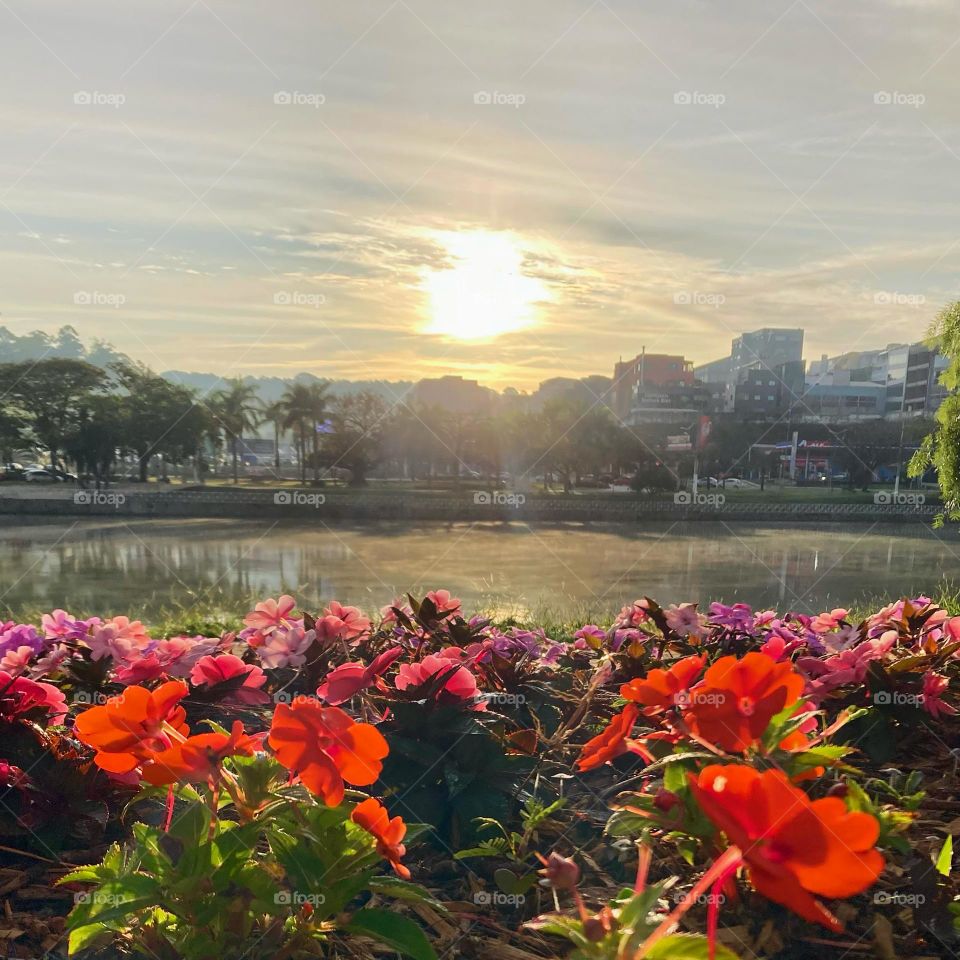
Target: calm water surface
(142,567)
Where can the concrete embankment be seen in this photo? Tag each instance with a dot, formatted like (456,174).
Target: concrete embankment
(326,505)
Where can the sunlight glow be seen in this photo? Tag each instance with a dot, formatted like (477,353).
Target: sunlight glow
(485,294)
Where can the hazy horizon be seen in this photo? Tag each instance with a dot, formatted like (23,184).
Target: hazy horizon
(398,189)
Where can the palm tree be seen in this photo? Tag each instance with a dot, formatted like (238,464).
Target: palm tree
(239,410)
(276,413)
(304,407)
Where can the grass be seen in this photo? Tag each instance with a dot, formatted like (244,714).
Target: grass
(216,614)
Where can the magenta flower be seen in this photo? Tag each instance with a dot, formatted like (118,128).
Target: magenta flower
(20,697)
(209,671)
(589,635)
(460,685)
(349,679)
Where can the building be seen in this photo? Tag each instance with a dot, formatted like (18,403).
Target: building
(648,375)
(766,348)
(841,402)
(455,394)
(769,394)
(922,391)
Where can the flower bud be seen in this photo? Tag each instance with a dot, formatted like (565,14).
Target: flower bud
(561,873)
(665,800)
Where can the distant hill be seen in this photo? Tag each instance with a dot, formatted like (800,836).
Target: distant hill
(66,343)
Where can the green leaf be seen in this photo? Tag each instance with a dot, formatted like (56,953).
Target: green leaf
(687,946)
(396,931)
(945,857)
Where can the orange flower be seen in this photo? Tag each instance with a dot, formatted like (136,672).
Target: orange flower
(665,688)
(737,699)
(325,747)
(197,759)
(611,743)
(373,817)
(130,728)
(794,849)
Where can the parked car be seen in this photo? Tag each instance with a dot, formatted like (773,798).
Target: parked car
(39,475)
(12,471)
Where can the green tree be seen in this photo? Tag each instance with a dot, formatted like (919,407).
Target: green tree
(159,417)
(52,393)
(304,407)
(359,424)
(97,437)
(940,449)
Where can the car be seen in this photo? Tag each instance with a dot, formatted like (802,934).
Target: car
(12,471)
(39,475)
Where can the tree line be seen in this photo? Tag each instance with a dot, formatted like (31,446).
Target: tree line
(96,418)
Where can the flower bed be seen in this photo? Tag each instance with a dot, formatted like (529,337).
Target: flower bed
(677,784)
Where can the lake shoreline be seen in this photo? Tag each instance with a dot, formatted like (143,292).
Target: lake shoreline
(328,505)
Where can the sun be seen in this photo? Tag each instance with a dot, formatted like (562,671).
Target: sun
(485,294)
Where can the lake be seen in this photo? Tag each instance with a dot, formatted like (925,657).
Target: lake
(141,567)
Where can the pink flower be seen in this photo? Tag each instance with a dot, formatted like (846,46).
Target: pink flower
(633,614)
(345,681)
(270,615)
(59,625)
(352,618)
(15,662)
(446,605)
(209,671)
(850,666)
(387,614)
(934,687)
(180,654)
(138,669)
(459,685)
(286,647)
(685,620)
(50,661)
(825,622)
(120,638)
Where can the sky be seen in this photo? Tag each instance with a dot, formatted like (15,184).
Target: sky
(509,191)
